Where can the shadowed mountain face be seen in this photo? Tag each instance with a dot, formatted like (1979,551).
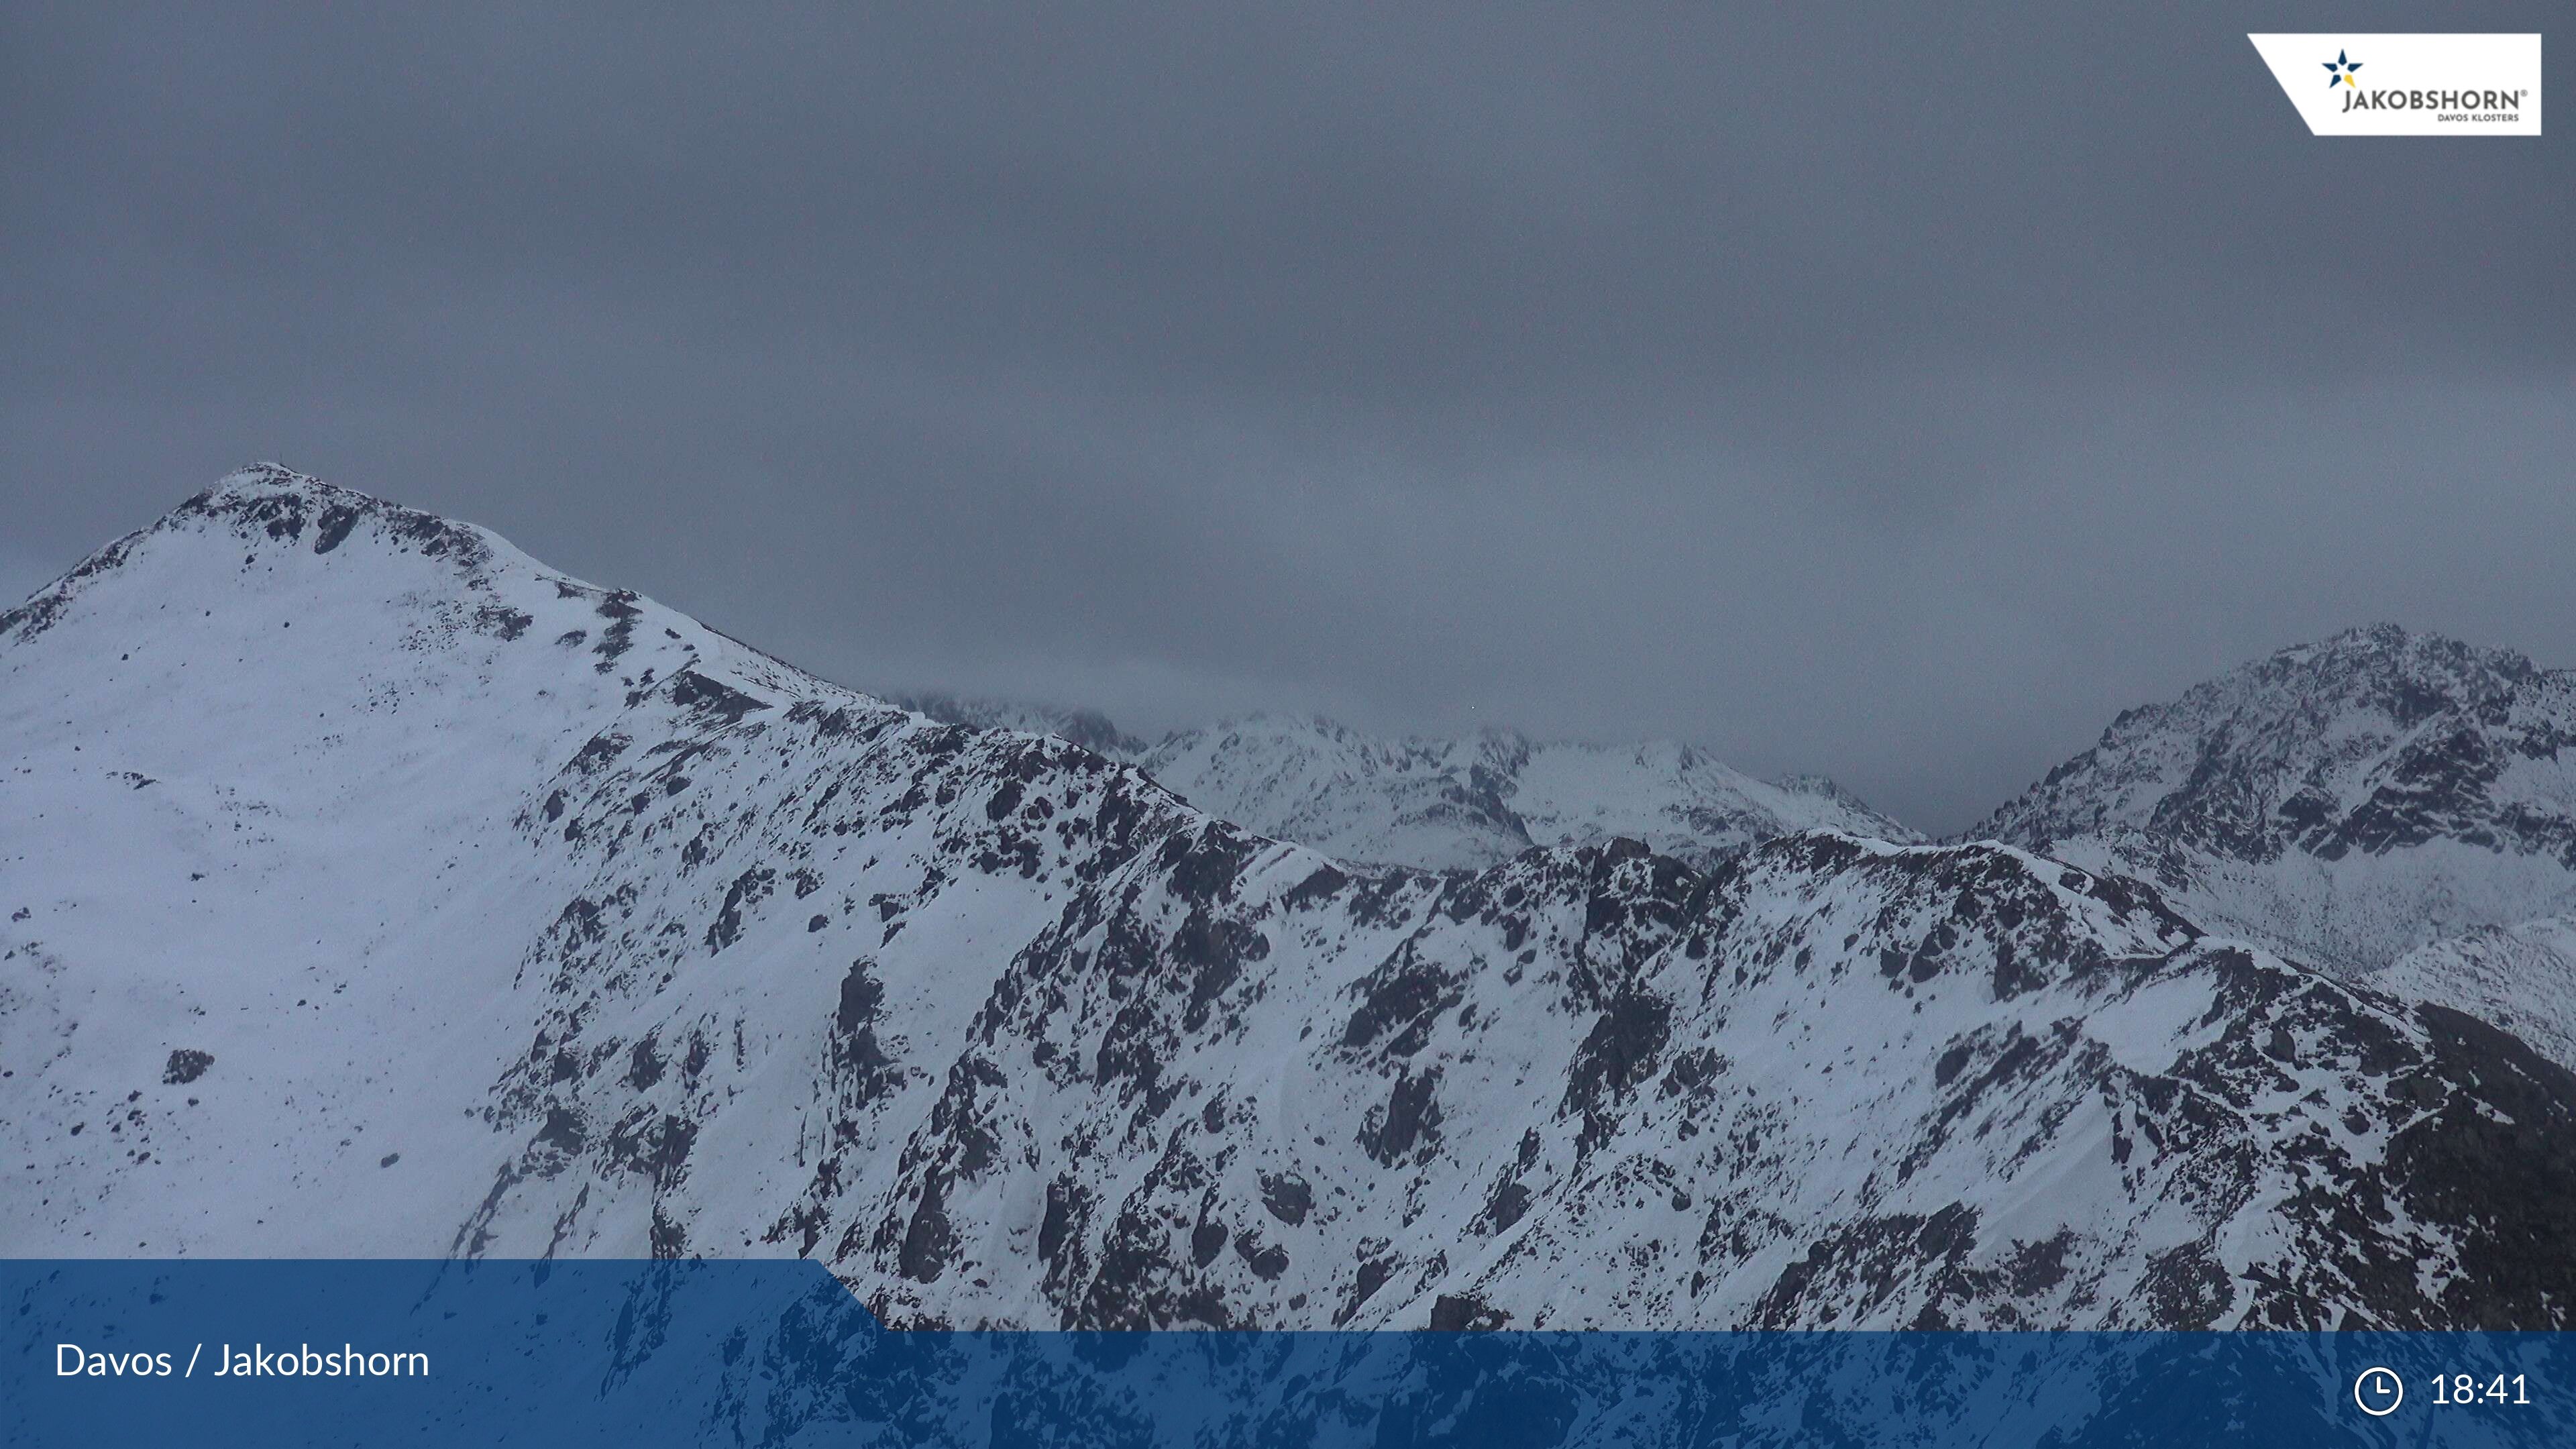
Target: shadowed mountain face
(2348,800)
(374,890)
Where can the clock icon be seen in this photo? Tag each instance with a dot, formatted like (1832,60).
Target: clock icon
(2379,1391)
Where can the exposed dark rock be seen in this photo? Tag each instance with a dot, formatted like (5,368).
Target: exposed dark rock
(186,1065)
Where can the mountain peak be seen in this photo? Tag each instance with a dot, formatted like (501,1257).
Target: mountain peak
(2413,760)
(2389,654)
(269,478)
(278,502)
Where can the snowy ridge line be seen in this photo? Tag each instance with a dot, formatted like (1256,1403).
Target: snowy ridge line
(469,910)
(1450,804)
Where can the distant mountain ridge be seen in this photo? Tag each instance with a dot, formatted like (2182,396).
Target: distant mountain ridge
(1451,804)
(1088,728)
(2348,800)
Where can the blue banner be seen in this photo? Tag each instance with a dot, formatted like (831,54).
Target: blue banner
(207,1354)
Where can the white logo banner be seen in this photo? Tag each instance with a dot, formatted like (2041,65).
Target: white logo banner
(2409,85)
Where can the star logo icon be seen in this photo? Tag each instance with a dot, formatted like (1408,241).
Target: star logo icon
(2339,72)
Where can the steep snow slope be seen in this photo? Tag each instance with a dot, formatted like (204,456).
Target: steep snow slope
(2348,800)
(267,907)
(1453,804)
(377,891)
(289,788)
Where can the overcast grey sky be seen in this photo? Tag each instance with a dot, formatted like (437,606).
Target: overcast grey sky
(1891,391)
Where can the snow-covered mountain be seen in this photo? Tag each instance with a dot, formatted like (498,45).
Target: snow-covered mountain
(374,890)
(1088,728)
(1452,804)
(2521,977)
(2348,800)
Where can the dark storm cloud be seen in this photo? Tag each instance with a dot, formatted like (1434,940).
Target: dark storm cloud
(1891,391)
